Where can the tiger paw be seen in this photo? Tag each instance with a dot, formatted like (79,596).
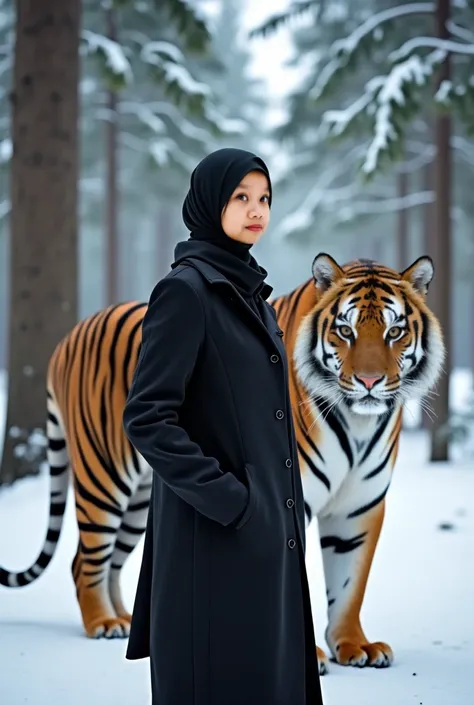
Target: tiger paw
(348,652)
(323,661)
(109,628)
(125,616)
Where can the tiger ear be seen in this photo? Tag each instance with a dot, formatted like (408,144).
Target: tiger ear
(419,274)
(326,271)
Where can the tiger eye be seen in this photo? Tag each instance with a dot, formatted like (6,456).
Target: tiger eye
(345,331)
(394,332)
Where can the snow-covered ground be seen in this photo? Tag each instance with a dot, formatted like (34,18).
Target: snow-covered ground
(419,600)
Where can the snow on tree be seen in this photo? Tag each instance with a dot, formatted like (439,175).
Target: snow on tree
(392,99)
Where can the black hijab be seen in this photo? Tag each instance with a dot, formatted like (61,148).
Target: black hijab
(212,183)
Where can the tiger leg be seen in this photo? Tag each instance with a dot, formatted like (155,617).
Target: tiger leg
(100,507)
(348,546)
(132,527)
(321,655)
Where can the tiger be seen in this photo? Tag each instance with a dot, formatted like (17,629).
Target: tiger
(360,342)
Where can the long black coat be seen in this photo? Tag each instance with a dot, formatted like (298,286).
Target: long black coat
(222,603)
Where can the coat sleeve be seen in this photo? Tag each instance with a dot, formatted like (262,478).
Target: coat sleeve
(172,333)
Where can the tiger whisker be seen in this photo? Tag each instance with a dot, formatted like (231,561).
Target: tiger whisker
(326,410)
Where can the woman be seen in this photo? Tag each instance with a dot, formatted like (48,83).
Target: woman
(222,604)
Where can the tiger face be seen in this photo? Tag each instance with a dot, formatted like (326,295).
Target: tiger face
(370,342)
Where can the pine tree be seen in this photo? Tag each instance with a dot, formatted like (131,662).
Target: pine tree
(416,47)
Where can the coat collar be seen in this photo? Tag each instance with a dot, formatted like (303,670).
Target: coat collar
(268,326)
(213,276)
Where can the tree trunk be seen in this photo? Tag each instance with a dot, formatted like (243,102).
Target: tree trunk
(442,285)
(403,233)
(43,246)
(428,212)
(428,236)
(111,138)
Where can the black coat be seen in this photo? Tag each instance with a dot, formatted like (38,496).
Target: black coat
(222,603)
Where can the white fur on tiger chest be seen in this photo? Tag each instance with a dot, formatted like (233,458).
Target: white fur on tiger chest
(340,486)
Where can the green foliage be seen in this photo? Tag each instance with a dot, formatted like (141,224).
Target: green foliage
(368,71)
(190,27)
(280,19)
(392,100)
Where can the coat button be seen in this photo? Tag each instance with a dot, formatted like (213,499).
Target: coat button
(290,503)
(291,543)
(279,414)
(288,463)
(274,358)
(279,332)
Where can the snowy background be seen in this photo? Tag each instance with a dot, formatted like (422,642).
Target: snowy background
(420,591)
(419,600)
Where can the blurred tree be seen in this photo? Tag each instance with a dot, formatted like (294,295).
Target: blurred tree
(44,172)
(141,49)
(7,19)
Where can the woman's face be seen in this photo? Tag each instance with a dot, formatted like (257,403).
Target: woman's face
(247,213)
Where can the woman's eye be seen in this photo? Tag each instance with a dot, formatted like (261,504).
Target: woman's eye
(394,332)
(242,196)
(265,199)
(345,331)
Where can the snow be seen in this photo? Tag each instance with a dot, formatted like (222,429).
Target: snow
(389,91)
(113,52)
(6,150)
(419,599)
(150,50)
(443,93)
(342,50)
(183,78)
(4,209)
(460,32)
(225,125)
(186,127)
(442,45)
(338,120)
(164,150)
(349,44)
(145,115)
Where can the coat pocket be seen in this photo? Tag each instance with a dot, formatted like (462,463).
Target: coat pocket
(252,502)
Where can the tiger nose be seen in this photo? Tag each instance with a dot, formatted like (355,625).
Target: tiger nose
(369,381)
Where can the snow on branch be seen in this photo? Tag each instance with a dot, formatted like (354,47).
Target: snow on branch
(460,32)
(5,208)
(385,205)
(115,58)
(165,151)
(385,98)
(151,52)
(343,49)
(464,147)
(390,96)
(337,121)
(169,60)
(304,216)
(6,65)
(6,150)
(145,115)
(181,76)
(187,128)
(230,126)
(349,44)
(444,45)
